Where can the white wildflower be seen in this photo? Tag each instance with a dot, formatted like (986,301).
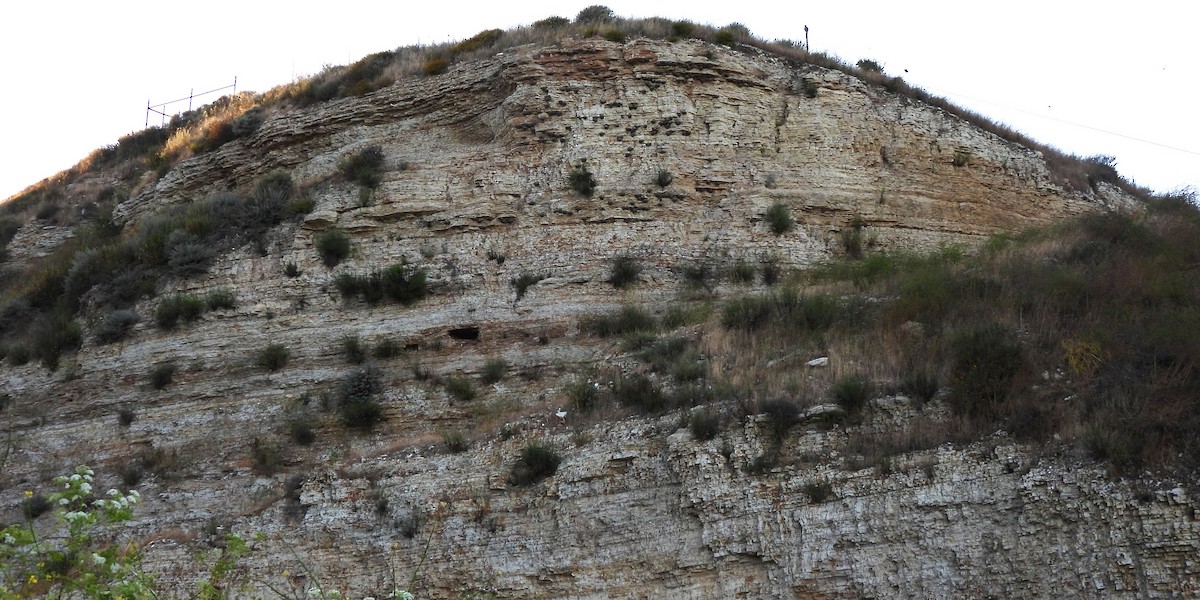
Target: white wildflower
(62,501)
(85,487)
(96,558)
(8,539)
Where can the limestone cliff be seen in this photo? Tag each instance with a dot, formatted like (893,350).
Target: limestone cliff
(475,190)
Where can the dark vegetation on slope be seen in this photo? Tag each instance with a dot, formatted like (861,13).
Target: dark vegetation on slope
(1087,331)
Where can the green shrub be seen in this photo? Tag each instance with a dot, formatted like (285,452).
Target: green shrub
(640,392)
(625,272)
(584,395)
(595,13)
(435,65)
(174,308)
(779,218)
(920,385)
(663,178)
(852,242)
(626,320)
(353,350)
(186,254)
(404,283)
(455,442)
(479,41)
(784,310)
(115,326)
(333,245)
(291,270)
(273,357)
(852,393)
(493,370)
(986,362)
(772,272)
(221,299)
(357,406)
(18,354)
(523,282)
(582,180)
(162,375)
(742,273)
(267,457)
(615,35)
(301,431)
(54,334)
(704,425)
(867,64)
(364,167)
(125,417)
(536,463)
(35,506)
(552,23)
(387,349)
(682,29)
(818,491)
(460,389)
(269,200)
(781,416)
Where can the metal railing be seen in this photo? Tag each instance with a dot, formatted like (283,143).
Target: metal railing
(160,108)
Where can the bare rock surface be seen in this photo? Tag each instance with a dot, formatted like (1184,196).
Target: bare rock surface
(475,190)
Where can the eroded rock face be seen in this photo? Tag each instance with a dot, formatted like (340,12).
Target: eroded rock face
(475,190)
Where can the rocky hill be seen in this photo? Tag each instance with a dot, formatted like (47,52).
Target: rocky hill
(513,184)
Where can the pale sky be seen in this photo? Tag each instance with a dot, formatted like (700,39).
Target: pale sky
(1089,77)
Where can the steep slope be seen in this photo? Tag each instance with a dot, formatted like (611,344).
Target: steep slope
(475,190)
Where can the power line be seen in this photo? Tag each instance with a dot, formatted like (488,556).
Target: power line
(1065,122)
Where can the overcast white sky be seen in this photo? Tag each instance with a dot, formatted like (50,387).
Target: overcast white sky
(1090,77)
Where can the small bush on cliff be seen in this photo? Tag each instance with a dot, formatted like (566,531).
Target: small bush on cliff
(582,181)
(221,299)
(357,404)
(162,375)
(596,13)
(986,362)
(704,425)
(852,393)
(174,308)
(779,218)
(364,167)
(353,349)
(273,357)
(460,389)
(536,463)
(334,246)
(116,326)
(625,272)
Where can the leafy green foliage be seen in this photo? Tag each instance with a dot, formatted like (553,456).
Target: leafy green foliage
(71,559)
(779,218)
(162,375)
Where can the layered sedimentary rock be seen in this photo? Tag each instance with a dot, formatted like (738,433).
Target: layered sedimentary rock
(475,190)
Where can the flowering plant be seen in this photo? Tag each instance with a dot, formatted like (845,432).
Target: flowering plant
(73,560)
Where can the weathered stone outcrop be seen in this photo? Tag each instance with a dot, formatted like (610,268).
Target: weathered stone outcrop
(475,191)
